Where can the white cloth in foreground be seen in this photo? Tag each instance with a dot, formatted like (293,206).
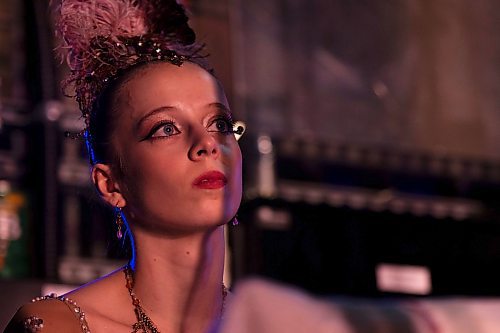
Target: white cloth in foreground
(263,307)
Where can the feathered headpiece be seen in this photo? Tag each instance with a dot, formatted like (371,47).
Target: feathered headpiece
(101,38)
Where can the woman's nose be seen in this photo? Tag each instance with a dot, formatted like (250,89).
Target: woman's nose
(204,145)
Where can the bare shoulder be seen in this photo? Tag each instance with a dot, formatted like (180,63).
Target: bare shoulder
(102,301)
(97,302)
(100,294)
(51,315)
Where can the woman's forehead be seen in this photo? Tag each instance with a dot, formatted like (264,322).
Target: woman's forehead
(165,80)
(164,84)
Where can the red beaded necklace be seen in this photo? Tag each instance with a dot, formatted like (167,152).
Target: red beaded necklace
(144,324)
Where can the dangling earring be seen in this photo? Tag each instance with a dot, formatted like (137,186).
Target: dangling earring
(235,221)
(119,222)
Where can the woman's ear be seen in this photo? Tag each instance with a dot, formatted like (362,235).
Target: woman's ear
(106,185)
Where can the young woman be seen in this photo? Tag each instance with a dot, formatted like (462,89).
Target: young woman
(164,155)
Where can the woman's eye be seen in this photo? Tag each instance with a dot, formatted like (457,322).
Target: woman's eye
(165,130)
(221,125)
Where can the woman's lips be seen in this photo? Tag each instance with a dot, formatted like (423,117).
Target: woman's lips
(210,180)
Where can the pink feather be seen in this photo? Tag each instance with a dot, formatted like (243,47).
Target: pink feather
(95,35)
(81,21)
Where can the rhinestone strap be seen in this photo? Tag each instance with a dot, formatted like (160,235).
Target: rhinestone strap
(33,324)
(78,312)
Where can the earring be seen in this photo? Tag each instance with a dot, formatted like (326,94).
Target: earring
(235,221)
(119,222)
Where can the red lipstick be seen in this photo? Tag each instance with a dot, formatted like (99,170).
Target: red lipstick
(210,180)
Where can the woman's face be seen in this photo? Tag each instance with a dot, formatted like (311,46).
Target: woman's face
(180,163)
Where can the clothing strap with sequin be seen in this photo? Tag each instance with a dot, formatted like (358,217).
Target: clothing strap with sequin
(34,324)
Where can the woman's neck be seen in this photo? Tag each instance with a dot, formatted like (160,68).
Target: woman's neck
(179,280)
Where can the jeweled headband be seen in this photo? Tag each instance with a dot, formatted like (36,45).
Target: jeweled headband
(102,38)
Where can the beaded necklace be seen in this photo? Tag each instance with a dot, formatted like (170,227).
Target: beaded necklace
(144,324)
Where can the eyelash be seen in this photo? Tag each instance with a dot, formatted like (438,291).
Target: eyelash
(227,119)
(159,125)
(229,122)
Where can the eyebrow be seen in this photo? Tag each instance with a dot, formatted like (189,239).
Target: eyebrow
(162,109)
(153,112)
(221,107)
